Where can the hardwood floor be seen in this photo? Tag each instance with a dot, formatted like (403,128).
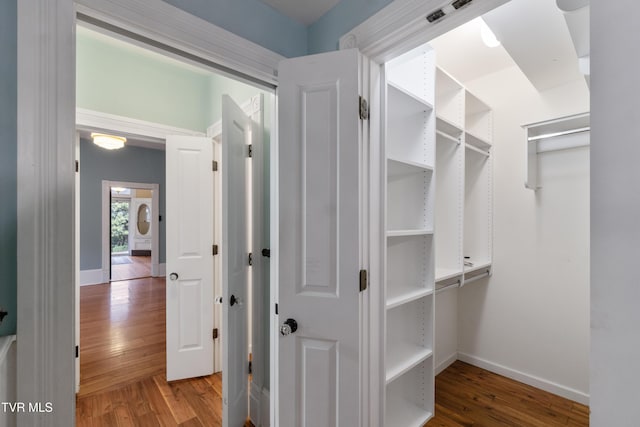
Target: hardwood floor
(122,373)
(122,363)
(140,266)
(470,396)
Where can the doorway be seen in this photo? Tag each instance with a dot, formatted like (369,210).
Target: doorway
(130,233)
(154,138)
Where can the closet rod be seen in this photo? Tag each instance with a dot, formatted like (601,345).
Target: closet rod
(478,277)
(477,150)
(555,134)
(455,284)
(447,136)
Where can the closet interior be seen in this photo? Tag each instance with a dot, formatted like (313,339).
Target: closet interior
(439,148)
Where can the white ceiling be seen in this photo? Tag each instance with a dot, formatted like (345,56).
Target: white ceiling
(462,53)
(304,11)
(534,36)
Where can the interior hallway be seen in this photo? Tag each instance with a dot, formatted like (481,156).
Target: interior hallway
(122,362)
(125,267)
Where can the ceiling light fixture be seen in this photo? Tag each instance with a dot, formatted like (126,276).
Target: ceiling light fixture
(108,142)
(489,39)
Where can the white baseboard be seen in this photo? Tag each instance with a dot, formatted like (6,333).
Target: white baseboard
(531,380)
(162,270)
(446,363)
(91,277)
(255,404)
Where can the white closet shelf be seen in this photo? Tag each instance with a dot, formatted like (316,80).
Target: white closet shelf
(402,357)
(447,273)
(447,126)
(403,295)
(416,102)
(403,413)
(404,167)
(477,141)
(409,232)
(477,266)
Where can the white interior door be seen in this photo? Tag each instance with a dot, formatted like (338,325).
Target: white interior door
(236,134)
(189,238)
(318,257)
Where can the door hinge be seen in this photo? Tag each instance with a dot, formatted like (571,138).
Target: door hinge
(214,166)
(214,249)
(364,109)
(363,280)
(250,150)
(215,333)
(77,166)
(250,258)
(77,352)
(250,367)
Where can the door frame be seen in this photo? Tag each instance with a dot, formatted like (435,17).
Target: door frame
(46,156)
(157,269)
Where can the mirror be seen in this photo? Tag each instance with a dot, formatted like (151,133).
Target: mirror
(144,219)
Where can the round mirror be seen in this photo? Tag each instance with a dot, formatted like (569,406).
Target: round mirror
(144,219)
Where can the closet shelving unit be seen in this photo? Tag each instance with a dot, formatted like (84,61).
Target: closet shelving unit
(450,99)
(463,186)
(409,251)
(478,212)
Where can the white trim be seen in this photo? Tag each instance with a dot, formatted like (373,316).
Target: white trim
(446,363)
(173,27)
(45,161)
(401,26)
(255,404)
(162,270)
(155,224)
(91,277)
(156,133)
(532,380)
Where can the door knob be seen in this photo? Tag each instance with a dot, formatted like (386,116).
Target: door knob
(288,327)
(173,277)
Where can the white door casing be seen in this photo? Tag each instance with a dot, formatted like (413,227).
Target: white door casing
(318,161)
(189,237)
(235,248)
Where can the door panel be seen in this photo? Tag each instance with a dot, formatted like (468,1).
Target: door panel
(189,228)
(318,262)
(236,134)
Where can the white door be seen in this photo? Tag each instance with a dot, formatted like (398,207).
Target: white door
(319,240)
(189,240)
(236,134)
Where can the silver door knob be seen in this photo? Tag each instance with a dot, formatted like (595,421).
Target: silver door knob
(173,277)
(288,327)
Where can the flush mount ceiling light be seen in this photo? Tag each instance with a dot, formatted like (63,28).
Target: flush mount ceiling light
(108,142)
(488,38)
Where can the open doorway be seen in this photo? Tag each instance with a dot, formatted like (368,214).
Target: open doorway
(124,323)
(130,232)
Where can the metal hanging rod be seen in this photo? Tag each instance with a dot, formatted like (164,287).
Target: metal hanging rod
(477,150)
(556,134)
(448,137)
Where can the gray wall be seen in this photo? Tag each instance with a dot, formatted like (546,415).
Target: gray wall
(8,153)
(132,164)
(615,214)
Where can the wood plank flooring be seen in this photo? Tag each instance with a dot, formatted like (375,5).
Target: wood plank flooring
(470,396)
(122,363)
(139,267)
(122,372)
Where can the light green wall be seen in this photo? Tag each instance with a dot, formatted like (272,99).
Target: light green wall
(117,78)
